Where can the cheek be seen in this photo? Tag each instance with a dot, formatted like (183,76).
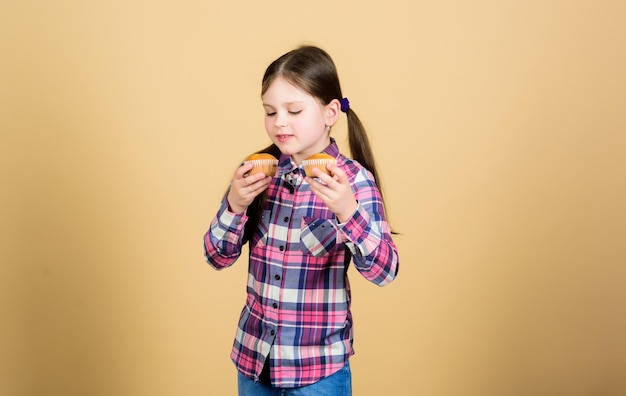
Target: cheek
(268,125)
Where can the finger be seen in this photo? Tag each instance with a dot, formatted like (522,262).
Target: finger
(338,173)
(316,185)
(253,179)
(260,185)
(243,169)
(322,176)
(321,190)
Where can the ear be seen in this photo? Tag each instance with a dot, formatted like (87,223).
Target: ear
(333,110)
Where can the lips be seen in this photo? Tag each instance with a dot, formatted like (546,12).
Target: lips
(283,138)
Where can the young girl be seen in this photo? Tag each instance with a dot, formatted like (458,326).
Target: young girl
(295,332)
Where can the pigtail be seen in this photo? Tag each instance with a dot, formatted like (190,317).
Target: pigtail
(360,147)
(361,150)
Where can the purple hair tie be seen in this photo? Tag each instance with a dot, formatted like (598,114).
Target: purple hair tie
(345,105)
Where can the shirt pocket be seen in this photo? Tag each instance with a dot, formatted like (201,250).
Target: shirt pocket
(260,236)
(318,237)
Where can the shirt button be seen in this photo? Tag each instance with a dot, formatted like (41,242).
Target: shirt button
(277,277)
(275,305)
(286,219)
(281,248)
(272,332)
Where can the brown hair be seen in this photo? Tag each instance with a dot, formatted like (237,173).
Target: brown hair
(312,70)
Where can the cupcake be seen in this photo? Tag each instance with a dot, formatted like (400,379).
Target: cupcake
(319,161)
(263,162)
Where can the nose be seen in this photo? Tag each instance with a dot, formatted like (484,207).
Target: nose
(281,119)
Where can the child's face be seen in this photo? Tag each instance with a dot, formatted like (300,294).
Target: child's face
(296,121)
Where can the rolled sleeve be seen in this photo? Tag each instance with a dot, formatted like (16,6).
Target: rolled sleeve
(373,251)
(223,240)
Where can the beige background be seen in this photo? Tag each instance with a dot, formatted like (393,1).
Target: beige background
(499,127)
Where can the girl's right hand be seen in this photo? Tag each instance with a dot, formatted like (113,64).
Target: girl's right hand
(243,189)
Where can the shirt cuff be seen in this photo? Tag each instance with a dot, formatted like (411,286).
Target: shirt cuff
(352,230)
(230,220)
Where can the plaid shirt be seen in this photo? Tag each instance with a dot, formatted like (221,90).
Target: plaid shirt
(297,309)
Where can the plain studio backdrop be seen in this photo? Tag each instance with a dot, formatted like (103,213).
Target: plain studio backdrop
(500,132)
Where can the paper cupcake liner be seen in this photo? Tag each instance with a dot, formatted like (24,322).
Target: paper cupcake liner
(316,163)
(267,166)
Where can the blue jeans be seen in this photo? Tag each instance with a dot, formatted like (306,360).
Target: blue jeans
(338,384)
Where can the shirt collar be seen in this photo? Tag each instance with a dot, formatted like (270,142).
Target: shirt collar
(286,164)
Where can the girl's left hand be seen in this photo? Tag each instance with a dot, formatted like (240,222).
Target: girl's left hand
(335,191)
